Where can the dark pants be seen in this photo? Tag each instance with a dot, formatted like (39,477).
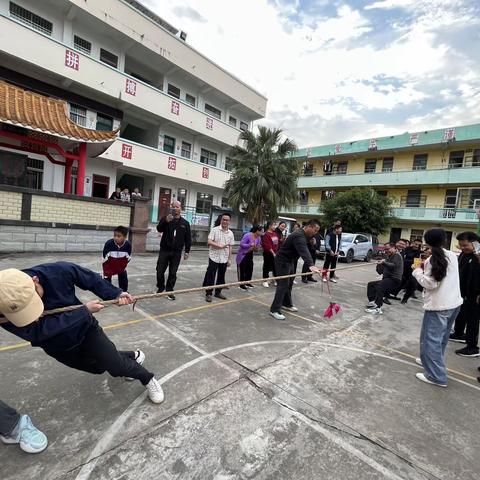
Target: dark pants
(467,322)
(97,354)
(411,286)
(9,418)
(305,269)
(122,280)
(245,269)
(268,264)
(330,262)
(217,270)
(167,259)
(376,291)
(283,293)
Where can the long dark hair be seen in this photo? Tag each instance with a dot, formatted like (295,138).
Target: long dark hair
(436,238)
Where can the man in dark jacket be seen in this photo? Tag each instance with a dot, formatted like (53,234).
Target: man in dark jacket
(313,247)
(391,270)
(333,241)
(73,338)
(467,321)
(176,235)
(295,246)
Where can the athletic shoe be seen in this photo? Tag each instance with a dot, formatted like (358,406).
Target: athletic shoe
(266,284)
(468,352)
(457,338)
(304,280)
(171,296)
(371,304)
(291,309)
(386,301)
(30,438)
(374,310)
(155,391)
(243,287)
(393,297)
(208,298)
(404,301)
(423,378)
(295,282)
(334,280)
(277,315)
(249,285)
(139,358)
(324,279)
(275,283)
(221,296)
(312,280)
(418,361)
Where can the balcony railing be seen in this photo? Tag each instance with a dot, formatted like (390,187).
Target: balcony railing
(459,215)
(311,209)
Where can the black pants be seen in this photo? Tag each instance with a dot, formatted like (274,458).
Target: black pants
(9,418)
(467,322)
(217,270)
(305,269)
(97,355)
(268,264)
(283,293)
(122,280)
(167,259)
(411,286)
(330,262)
(245,269)
(376,291)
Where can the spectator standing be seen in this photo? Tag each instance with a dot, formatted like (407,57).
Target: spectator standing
(270,245)
(125,195)
(220,242)
(467,321)
(176,235)
(333,240)
(249,244)
(438,275)
(117,194)
(281,233)
(117,254)
(313,248)
(136,193)
(391,270)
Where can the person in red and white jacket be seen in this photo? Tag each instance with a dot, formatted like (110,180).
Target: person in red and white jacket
(117,253)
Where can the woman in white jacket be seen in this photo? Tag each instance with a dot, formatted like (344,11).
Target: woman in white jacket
(440,280)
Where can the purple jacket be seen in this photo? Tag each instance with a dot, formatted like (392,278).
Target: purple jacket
(246,243)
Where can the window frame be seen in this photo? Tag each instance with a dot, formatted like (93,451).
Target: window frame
(189,98)
(171,91)
(213,111)
(105,117)
(110,62)
(204,203)
(208,155)
(172,144)
(232,123)
(369,162)
(416,158)
(82,48)
(387,169)
(184,150)
(75,115)
(30,18)
(243,126)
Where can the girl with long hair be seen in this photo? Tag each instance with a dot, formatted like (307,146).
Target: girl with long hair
(439,277)
(270,245)
(249,244)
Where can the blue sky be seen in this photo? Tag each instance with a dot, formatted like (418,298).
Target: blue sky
(343,70)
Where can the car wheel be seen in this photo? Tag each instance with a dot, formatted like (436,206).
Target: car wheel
(349,256)
(369,256)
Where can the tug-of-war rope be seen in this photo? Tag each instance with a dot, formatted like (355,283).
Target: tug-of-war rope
(330,311)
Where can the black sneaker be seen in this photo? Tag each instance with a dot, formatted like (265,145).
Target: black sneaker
(454,337)
(243,287)
(386,301)
(404,301)
(304,280)
(312,280)
(221,296)
(208,298)
(171,296)
(468,352)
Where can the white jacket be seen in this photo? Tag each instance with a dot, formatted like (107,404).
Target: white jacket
(443,295)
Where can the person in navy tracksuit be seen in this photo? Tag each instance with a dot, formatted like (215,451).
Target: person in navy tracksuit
(117,252)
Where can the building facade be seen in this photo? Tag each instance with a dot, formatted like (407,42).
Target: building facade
(121,67)
(432,177)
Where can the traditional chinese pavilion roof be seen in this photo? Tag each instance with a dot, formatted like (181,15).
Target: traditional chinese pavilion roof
(44,114)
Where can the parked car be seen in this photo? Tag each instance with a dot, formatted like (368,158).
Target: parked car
(356,246)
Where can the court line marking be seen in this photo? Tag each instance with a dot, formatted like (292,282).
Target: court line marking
(105,441)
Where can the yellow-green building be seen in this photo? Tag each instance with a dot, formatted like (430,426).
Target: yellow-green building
(433,178)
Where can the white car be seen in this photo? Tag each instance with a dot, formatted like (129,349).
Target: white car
(356,246)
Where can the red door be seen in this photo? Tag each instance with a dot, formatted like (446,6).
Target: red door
(164,202)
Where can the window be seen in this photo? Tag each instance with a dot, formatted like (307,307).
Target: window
(232,121)
(83,45)
(190,99)
(416,235)
(182,197)
(168,144)
(370,165)
(476,158)
(382,193)
(387,165)
(108,58)
(228,164)
(31,19)
(78,115)
(455,159)
(244,127)
(34,173)
(342,168)
(104,123)
(224,202)
(214,112)
(186,150)
(204,202)
(450,198)
(361,239)
(413,199)
(210,158)
(420,161)
(173,91)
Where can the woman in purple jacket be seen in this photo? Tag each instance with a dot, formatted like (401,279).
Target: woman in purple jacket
(249,244)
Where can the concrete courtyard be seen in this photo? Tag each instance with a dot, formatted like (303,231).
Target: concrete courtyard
(246,396)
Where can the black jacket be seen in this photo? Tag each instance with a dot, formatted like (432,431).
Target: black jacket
(469,271)
(330,242)
(392,267)
(295,246)
(176,235)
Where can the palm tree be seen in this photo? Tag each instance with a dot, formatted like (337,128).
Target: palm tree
(264,174)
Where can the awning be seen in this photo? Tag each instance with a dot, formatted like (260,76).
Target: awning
(44,114)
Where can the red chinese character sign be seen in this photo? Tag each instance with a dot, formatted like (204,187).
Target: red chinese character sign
(127,151)
(131,87)
(205,172)
(209,123)
(175,109)
(72,59)
(172,163)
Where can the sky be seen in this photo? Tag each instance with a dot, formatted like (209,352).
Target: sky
(340,70)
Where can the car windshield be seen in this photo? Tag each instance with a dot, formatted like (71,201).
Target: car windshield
(347,238)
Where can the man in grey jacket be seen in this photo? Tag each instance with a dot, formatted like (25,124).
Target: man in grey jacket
(391,269)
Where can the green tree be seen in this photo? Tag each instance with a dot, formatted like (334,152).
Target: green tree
(264,174)
(360,209)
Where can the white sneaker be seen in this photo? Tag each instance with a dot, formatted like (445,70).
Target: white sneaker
(266,284)
(155,391)
(423,378)
(139,358)
(295,282)
(334,280)
(374,311)
(418,362)
(324,279)
(371,304)
(275,283)
(291,309)
(277,315)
